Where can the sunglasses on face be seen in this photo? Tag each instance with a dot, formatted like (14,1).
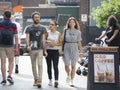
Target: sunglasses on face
(52,24)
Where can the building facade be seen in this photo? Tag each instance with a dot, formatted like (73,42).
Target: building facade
(86,23)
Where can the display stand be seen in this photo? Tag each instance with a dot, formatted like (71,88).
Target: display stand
(103,68)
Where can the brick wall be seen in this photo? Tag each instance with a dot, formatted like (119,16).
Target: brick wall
(84,9)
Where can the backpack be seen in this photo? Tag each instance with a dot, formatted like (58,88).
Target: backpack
(7,35)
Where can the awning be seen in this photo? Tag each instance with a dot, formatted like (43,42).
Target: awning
(17,8)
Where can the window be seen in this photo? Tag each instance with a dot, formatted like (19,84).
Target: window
(65,2)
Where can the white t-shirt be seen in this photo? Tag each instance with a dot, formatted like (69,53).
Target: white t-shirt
(19,29)
(52,36)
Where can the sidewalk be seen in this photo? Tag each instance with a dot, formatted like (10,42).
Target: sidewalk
(24,80)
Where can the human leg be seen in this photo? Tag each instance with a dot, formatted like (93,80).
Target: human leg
(73,69)
(55,58)
(11,64)
(3,62)
(16,64)
(49,70)
(3,68)
(49,65)
(67,69)
(10,55)
(40,67)
(33,63)
(66,59)
(17,54)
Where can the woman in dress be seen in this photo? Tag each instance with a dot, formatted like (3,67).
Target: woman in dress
(72,49)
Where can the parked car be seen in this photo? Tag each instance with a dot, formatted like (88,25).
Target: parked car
(23,41)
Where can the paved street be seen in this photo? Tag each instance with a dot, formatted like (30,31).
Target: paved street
(24,80)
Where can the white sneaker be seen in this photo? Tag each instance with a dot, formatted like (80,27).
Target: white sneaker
(72,85)
(50,83)
(68,79)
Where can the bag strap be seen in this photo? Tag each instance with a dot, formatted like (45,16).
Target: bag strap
(65,35)
(64,40)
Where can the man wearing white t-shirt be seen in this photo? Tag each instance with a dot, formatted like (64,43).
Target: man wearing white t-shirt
(17,53)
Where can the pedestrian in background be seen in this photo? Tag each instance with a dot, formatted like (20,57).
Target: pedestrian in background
(72,48)
(35,40)
(8,31)
(17,54)
(53,41)
(112,32)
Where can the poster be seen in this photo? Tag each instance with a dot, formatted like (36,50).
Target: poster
(104,70)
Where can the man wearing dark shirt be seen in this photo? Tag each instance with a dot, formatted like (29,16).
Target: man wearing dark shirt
(35,39)
(8,31)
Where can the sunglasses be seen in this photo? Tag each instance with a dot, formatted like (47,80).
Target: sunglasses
(52,24)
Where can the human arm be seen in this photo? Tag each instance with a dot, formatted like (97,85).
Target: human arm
(16,37)
(60,44)
(16,42)
(101,36)
(44,43)
(80,49)
(54,43)
(80,45)
(27,43)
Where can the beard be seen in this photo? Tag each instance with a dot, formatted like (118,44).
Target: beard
(36,22)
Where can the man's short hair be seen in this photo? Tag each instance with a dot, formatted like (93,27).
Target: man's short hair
(34,13)
(7,14)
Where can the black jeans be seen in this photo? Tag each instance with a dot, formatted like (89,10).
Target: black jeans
(53,56)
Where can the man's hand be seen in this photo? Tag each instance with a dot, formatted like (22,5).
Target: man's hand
(28,48)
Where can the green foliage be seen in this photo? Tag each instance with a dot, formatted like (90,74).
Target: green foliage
(107,8)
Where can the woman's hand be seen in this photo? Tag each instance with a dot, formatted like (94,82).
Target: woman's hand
(60,52)
(107,41)
(52,44)
(96,39)
(81,56)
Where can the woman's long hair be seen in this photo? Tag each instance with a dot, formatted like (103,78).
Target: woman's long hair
(112,21)
(77,27)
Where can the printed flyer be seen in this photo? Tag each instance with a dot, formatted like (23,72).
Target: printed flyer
(104,69)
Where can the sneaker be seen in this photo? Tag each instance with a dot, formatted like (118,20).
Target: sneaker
(3,82)
(72,85)
(39,84)
(35,83)
(10,80)
(56,84)
(50,83)
(68,79)
(16,69)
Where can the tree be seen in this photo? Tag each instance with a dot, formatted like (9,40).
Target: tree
(107,8)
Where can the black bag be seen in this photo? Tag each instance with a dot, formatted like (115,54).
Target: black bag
(63,43)
(7,35)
